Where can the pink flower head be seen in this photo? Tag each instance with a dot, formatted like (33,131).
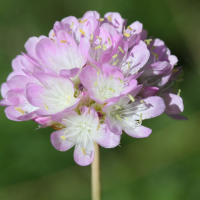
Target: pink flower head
(92,79)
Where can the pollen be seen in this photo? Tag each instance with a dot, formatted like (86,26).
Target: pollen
(116,62)
(131,98)
(129,28)
(104,47)
(98,47)
(115,56)
(63,41)
(20,110)
(71,26)
(121,49)
(129,65)
(62,137)
(101,19)
(109,18)
(46,107)
(89,110)
(81,22)
(69,31)
(83,32)
(126,34)
(53,34)
(148,41)
(142,101)
(83,150)
(98,72)
(95,84)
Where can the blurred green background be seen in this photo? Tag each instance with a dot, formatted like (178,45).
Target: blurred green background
(164,166)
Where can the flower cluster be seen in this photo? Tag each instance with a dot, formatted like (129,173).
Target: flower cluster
(92,79)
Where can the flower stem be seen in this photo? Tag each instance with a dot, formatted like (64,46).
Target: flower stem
(96,194)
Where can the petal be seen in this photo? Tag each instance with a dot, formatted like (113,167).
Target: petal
(4,89)
(83,156)
(106,138)
(60,142)
(113,125)
(178,117)
(174,103)
(116,20)
(137,132)
(31,44)
(157,107)
(149,91)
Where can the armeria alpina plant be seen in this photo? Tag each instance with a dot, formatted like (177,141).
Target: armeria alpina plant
(93,79)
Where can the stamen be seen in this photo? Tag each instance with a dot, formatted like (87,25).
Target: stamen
(141,101)
(98,72)
(62,137)
(69,31)
(81,22)
(98,127)
(111,89)
(63,41)
(140,118)
(53,34)
(153,47)
(131,98)
(20,110)
(126,34)
(72,25)
(155,54)
(129,65)
(99,38)
(129,28)
(46,107)
(179,92)
(82,31)
(89,111)
(83,151)
(91,39)
(52,40)
(115,56)
(116,62)
(118,107)
(109,41)
(118,117)
(101,19)
(175,70)
(148,41)
(120,80)
(109,18)
(121,49)
(98,47)
(95,84)
(104,47)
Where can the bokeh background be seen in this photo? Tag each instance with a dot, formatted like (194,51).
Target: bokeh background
(164,166)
